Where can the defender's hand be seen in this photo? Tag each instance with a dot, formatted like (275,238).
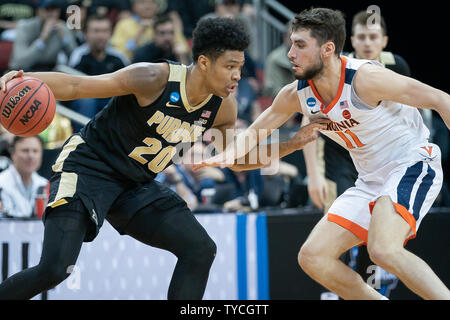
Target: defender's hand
(308,133)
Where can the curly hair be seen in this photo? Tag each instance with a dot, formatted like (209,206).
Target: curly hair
(324,25)
(213,36)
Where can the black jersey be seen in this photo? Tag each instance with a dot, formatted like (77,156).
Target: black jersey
(139,142)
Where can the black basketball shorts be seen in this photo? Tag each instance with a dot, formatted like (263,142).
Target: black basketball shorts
(83,182)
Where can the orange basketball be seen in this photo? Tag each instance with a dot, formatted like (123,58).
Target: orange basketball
(27,107)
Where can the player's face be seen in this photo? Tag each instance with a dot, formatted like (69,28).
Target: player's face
(368,42)
(27,155)
(304,55)
(225,73)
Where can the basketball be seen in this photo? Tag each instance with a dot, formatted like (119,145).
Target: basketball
(27,107)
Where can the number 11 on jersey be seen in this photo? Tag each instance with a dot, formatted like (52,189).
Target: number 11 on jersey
(349,143)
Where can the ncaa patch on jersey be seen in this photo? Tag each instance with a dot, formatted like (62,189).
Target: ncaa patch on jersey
(174,97)
(311,102)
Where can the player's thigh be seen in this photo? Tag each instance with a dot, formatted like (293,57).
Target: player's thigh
(329,239)
(387,229)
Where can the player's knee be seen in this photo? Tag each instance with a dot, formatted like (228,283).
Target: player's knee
(308,258)
(383,256)
(53,274)
(203,252)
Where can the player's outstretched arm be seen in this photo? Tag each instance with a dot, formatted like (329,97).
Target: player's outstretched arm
(243,153)
(135,79)
(374,84)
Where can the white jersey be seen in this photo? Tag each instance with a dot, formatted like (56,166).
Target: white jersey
(377,138)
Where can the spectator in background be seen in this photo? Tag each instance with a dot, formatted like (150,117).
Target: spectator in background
(201,179)
(370,41)
(5,141)
(20,183)
(11,12)
(39,40)
(233,9)
(172,177)
(137,30)
(162,45)
(95,57)
(248,186)
(277,68)
(190,12)
(115,10)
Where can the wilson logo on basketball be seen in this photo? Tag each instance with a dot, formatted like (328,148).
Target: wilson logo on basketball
(30,113)
(13,101)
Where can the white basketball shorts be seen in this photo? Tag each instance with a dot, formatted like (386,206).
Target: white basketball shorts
(412,184)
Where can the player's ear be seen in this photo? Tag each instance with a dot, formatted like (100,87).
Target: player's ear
(328,49)
(203,62)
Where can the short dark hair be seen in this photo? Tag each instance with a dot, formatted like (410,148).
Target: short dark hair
(16,139)
(95,17)
(324,25)
(362,17)
(213,36)
(161,19)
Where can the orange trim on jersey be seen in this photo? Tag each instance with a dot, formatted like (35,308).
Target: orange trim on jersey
(341,87)
(357,230)
(404,213)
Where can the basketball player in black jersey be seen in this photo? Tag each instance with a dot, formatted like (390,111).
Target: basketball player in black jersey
(107,170)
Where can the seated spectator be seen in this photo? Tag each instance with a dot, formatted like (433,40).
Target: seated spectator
(115,10)
(163,44)
(201,179)
(248,186)
(41,39)
(137,30)
(6,139)
(11,12)
(190,12)
(20,183)
(173,178)
(235,9)
(95,57)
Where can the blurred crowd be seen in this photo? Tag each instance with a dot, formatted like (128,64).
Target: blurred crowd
(91,37)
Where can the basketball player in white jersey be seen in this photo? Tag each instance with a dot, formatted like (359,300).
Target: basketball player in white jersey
(373,115)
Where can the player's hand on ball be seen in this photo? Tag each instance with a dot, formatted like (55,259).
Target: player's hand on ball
(9,76)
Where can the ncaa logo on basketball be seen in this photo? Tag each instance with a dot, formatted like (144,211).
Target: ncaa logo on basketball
(311,102)
(31,111)
(174,97)
(13,101)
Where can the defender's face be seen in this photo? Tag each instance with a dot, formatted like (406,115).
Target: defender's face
(304,55)
(368,42)
(225,72)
